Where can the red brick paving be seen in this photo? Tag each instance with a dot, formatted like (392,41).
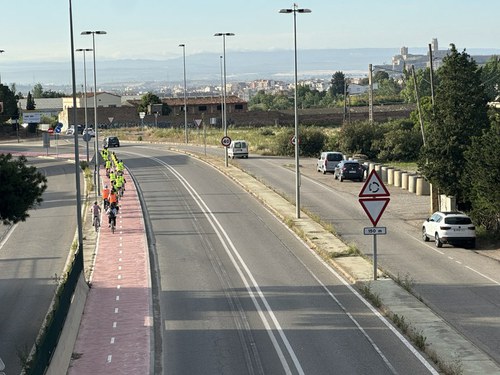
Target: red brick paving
(115,331)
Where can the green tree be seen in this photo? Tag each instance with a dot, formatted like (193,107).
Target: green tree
(146,100)
(280,102)
(21,188)
(483,177)
(30,102)
(337,83)
(53,94)
(380,75)
(38,91)
(361,137)
(401,141)
(460,114)
(8,99)
(423,85)
(490,76)
(260,101)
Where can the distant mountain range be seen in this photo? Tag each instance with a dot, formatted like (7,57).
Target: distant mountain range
(204,68)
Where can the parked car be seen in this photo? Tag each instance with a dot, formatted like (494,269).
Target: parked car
(328,160)
(71,129)
(349,170)
(453,228)
(111,142)
(238,148)
(89,131)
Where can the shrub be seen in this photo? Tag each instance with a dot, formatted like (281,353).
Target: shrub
(312,142)
(361,137)
(402,141)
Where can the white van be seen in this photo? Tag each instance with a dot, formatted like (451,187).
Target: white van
(238,149)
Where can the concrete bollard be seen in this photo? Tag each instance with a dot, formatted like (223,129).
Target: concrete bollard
(371,167)
(423,187)
(384,173)
(378,169)
(397,178)
(390,176)
(404,180)
(412,183)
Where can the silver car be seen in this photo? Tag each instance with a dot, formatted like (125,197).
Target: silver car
(328,160)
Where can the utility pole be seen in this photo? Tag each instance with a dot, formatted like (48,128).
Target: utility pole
(431,75)
(434,191)
(418,103)
(370,94)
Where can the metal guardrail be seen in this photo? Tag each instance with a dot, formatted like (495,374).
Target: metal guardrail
(62,302)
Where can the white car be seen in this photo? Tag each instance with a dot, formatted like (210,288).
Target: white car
(328,160)
(238,148)
(453,228)
(89,131)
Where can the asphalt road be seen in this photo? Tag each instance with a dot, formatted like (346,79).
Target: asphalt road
(239,293)
(458,284)
(32,253)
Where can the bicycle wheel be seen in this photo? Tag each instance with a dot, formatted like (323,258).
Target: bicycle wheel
(112,227)
(97,223)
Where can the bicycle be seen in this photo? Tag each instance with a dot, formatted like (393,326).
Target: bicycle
(96,223)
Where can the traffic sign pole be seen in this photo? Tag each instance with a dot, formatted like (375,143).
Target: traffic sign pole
(374,198)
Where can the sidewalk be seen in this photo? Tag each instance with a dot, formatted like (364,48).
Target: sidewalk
(116,328)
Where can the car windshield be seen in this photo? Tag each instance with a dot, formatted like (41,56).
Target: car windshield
(457,220)
(334,157)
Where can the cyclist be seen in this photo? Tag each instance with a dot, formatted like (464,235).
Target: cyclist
(112,211)
(113,197)
(105,196)
(120,166)
(96,213)
(108,167)
(118,186)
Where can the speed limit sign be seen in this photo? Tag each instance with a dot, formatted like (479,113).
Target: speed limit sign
(226,141)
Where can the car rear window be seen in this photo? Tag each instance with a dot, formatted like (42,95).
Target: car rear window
(334,157)
(457,220)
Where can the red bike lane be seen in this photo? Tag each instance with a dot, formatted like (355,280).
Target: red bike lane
(115,330)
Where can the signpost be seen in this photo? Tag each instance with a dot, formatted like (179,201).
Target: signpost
(142,115)
(374,198)
(226,141)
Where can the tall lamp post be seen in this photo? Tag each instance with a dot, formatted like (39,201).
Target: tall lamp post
(185,90)
(296,10)
(79,255)
(221,90)
(96,139)
(224,119)
(85,91)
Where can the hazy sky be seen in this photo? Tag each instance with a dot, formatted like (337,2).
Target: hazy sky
(153,29)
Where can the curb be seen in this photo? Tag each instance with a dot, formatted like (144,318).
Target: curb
(446,347)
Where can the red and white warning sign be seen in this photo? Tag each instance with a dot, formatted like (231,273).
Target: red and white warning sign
(374,197)
(374,208)
(374,186)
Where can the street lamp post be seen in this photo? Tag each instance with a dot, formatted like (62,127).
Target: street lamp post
(96,139)
(185,91)
(85,91)
(221,90)
(224,119)
(79,254)
(296,10)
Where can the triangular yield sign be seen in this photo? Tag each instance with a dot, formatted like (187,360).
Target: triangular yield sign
(374,208)
(374,186)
